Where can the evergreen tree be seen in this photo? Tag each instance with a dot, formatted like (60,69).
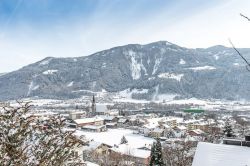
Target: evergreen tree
(124,140)
(156,154)
(228,131)
(152,155)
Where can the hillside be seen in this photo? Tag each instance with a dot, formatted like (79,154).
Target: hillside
(154,71)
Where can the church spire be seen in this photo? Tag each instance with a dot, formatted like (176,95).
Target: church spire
(93,99)
(93,107)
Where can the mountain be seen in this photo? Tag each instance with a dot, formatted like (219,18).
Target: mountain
(151,71)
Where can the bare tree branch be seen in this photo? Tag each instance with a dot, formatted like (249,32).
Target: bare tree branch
(245,17)
(238,52)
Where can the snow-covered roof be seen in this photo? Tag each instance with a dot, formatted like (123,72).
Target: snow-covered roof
(166,126)
(158,130)
(92,145)
(208,154)
(90,164)
(111,124)
(122,120)
(88,120)
(101,108)
(93,127)
(198,131)
(151,125)
(181,127)
(129,150)
(106,117)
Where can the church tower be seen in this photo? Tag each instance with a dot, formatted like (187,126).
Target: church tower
(93,106)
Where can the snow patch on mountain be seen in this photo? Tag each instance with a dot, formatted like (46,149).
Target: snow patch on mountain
(216,57)
(83,90)
(49,72)
(70,84)
(127,93)
(182,62)
(148,61)
(143,68)
(135,66)
(163,50)
(151,78)
(166,97)
(103,65)
(154,97)
(35,87)
(236,64)
(168,44)
(32,87)
(45,62)
(1,74)
(157,64)
(171,76)
(203,68)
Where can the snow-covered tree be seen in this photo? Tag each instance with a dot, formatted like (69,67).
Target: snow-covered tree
(156,154)
(228,131)
(28,140)
(124,140)
(178,154)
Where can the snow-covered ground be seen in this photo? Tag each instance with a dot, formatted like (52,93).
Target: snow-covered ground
(125,96)
(202,68)
(49,72)
(113,137)
(171,76)
(182,62)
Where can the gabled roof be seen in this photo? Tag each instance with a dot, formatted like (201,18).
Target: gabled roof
(198,131)
(88,120)
(122,120)
(106,117)
(93,127)
(208,154)
(130,151)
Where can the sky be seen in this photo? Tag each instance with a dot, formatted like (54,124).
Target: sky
(31,30)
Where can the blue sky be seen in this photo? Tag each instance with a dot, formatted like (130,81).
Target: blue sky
(31,30)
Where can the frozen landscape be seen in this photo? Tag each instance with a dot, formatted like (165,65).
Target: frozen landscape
(124,83)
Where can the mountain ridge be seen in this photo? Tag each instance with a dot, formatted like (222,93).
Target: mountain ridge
(160,68)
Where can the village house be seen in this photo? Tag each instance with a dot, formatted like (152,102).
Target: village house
(94,128)
(77,115)
(122,122)
(190,124)
(108,118)
(97,121)
(101,109)
(196,132)
(135,122)
(156,133)
(172,122)
(97,148)
(112,125)
(139,156)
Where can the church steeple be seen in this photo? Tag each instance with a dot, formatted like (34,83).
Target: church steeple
(93,99)
(93,107)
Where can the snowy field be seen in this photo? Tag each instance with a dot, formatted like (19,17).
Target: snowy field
(126,97)
(113,136)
